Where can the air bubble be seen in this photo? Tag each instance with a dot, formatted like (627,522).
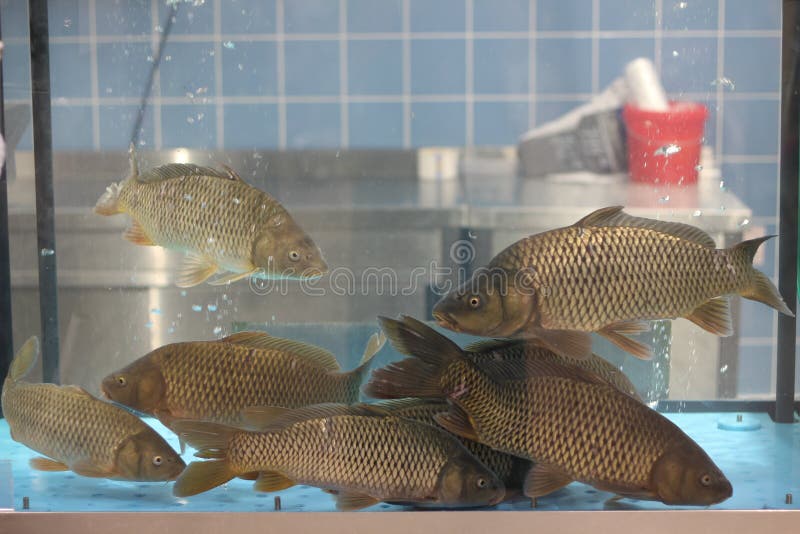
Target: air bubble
(229,45)
(187,196)
(723,369)
(148,324)
(68,23)
(217,330)
(675,53)
(47,252)
(197,308)
(155,311)
(725,82)
(745,222)
(183,292)
(211,307)
(664,199)
(667,150)
(697,213)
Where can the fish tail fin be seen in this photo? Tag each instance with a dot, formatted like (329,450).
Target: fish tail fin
(108,204)
(24,360)
(761,288)
(374,346)
(418,376)
(202,476)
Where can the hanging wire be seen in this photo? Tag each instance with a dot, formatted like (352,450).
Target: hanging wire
(148,87)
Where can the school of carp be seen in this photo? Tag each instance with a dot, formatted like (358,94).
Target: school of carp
(525,412)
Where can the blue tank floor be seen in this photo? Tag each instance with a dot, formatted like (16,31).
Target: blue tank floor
(763,465)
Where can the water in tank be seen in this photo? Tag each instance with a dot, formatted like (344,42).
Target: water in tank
(317,255)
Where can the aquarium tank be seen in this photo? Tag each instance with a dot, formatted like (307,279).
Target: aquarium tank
(508,262)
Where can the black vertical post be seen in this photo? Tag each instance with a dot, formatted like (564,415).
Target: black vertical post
(790,174)
(6,342)
(43,165)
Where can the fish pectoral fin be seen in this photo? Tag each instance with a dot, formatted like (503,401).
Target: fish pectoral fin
(354,501)
(195,270)
(136,234)
(714,316)
(88,469)
(46,464)
(232,277)
(261,417)
(543,479)
(253,475)
(202,476)
(25,359)
(272,481)
(458,422)
(618,338)
(573,344)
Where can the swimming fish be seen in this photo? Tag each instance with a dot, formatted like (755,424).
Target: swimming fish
(78,432)
(510,469)
(570,422)
(219,221)
(494,350)
(215,380)
(360,454)
(606,274)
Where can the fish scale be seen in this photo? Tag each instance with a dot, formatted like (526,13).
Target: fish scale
(374,455)
(615,274)
(67,424)
(215,385)
(555,421)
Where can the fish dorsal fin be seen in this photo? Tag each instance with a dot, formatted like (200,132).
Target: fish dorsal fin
(134,166)
(233,175)
(312,354)
(76,390)
(24,360)
(614,216)
(273,419)
(397,405)
(178,170)
(490,345)
(507,370)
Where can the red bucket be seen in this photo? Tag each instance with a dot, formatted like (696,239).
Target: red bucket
(664,146)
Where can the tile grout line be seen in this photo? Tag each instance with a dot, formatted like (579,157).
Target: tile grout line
(95,89)
(281,53)
(344,111)
(658,46)
(218,85)
(406,97)
(469,73)
(155,99)
(718,123)
(595,35)
(532,22)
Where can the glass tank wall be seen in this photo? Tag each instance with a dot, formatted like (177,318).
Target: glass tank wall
(403,145)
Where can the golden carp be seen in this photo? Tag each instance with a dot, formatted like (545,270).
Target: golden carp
(363,455)
(80,433)
(570,422)
(218,220)
(605,274)
(215,380)
(510,469)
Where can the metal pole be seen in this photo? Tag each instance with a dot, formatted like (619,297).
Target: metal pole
(6,342)
(790,173)
(43,165)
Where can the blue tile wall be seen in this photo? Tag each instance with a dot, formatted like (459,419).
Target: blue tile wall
(189,126)
(563,66)
(312,68)
(755,372)
(694,15)
(67,17)
(119,69)
(375,67)
(742,15)
(249,16)
(751,63)
(16,71)
(188,68)
(374,125)
(501,15)
(116,123)
(123,17)
(750,127)
(374,16)
(627,15)
(250,68)
(547,111)
(15,18)
(313,125)
(500,123)
(616,53)
(191,17)
(438,66)
(311,16)
(564,15)
(689,64)
(441,124)
(501,66)
(251,126)
(70,67)
(72,126)
(756,182)
(438,15)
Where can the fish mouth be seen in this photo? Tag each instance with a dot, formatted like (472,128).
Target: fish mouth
(104,391)
(445,320)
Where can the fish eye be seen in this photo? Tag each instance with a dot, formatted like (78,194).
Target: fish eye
(121,381)
(157,460)
(482,483)
(294,255)
(705,480)
(474,301)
